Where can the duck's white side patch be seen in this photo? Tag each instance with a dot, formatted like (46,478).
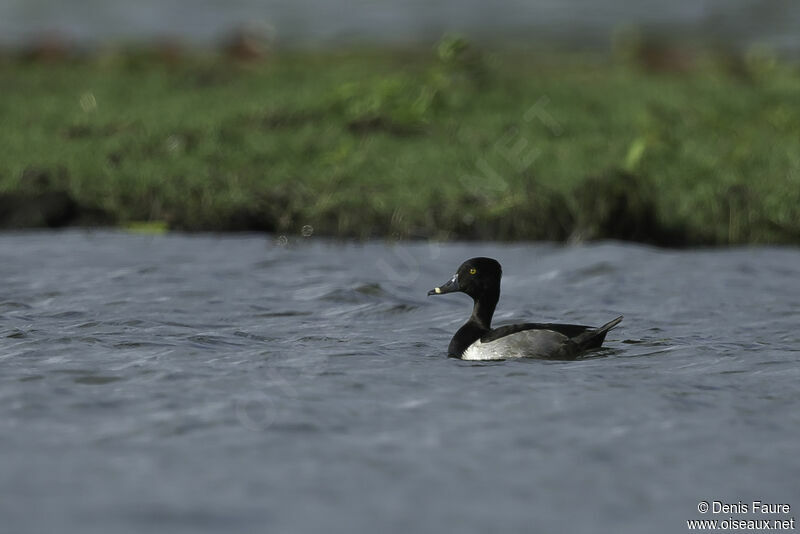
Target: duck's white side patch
(525,344)
(481,351)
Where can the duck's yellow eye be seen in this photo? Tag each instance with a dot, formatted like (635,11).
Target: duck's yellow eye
(473,270)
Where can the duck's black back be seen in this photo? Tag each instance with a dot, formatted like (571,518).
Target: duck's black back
(569,330)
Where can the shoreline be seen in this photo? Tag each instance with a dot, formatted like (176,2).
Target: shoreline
(662,146)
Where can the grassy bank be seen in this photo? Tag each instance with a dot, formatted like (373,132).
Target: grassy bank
(444,142)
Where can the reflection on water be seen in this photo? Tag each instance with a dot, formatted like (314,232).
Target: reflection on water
(193,383)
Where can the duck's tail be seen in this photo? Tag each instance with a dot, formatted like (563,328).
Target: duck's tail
(593,338)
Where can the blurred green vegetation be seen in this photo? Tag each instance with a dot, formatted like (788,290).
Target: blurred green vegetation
(652,144)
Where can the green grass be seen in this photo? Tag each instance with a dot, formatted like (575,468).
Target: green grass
(412,143)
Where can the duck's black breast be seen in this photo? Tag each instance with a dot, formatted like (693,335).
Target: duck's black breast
(464,337)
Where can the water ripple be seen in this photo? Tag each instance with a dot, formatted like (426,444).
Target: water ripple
(222,373)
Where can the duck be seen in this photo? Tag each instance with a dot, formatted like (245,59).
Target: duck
(477,340)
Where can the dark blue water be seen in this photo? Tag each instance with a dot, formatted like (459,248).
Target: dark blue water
(733,23)
(209,383)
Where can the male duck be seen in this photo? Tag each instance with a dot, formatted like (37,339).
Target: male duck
(477,340)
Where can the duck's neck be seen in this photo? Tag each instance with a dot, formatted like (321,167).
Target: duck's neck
(478,324)
(483,310)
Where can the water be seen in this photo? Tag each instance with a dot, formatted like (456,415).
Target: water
(210,383)
(589,22)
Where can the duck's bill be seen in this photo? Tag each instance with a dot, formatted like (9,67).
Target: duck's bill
(449,287)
